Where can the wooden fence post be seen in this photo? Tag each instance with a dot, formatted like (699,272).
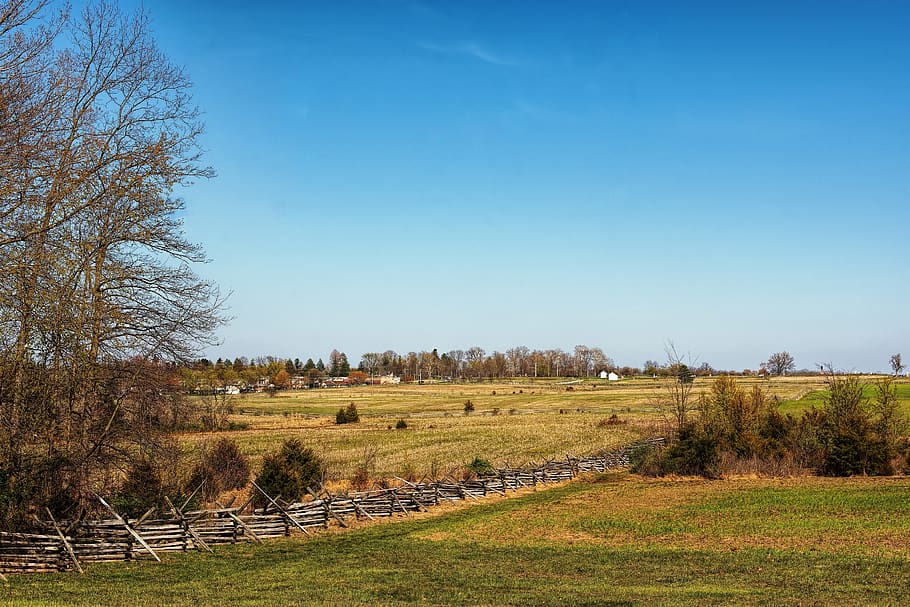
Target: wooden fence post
(397,501)
(326,503)
(280,509)
(132,531)
(66,544)
(178,512)
(237,521)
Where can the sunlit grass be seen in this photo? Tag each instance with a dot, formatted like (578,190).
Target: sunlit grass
(513,423)
(815,396)
(857,516)
(615,541)
(432,445)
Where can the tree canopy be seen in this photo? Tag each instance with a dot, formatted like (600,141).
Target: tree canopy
(97,284)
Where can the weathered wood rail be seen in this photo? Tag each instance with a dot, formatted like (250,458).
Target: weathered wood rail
(119,539)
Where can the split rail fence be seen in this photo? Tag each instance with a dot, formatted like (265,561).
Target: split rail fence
(67,546)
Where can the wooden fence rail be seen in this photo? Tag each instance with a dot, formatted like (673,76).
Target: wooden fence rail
(119,539)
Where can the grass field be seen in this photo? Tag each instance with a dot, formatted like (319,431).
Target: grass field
(512,423)
(615,540)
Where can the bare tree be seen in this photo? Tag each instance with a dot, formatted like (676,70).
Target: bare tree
(97,287)
(780,363)
(583,361)
(370,362)
(600,361)
(456,359)
(896,364)
(675,399)
(517,358)
(475,357)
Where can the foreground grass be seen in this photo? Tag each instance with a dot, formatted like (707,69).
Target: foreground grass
(618,541)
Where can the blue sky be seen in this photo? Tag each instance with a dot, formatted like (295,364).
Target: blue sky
(414,175)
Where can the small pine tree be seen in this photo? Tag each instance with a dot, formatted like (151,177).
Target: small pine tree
(289,472)
(480,467)
(348,415)
(142,489)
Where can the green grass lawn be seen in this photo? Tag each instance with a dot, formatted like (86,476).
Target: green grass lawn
(816,398)
(614,541)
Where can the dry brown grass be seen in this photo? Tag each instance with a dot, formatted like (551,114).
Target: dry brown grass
(513,423)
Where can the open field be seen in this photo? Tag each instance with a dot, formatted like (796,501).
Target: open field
(434,446)
(614,540)
(513,423)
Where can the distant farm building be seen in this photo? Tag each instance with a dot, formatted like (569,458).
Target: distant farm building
(382,380)
(338,382)
(609,376)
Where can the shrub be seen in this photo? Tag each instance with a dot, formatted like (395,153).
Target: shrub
(364,470)
(468,406)
(142,489)
(221,467)
(409,473)
(481,466)
(289,473)
(850,434)
(38,481)
(347,415)
(645,460)
(857,436)
(855,448)
(361,479)
(694,452)
(613,420)
(401,424)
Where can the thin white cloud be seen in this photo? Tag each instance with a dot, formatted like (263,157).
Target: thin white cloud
(469,49)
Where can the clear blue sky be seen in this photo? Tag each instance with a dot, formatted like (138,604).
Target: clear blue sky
(731,176)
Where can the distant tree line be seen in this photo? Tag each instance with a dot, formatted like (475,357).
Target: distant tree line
(473,364)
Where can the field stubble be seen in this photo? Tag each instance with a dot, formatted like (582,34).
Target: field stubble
(512,423)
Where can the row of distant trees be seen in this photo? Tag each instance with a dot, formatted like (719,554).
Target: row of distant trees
(473,364)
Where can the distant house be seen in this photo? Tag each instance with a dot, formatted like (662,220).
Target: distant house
(338,382)
(382,380)
(612,376)
(603,375)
